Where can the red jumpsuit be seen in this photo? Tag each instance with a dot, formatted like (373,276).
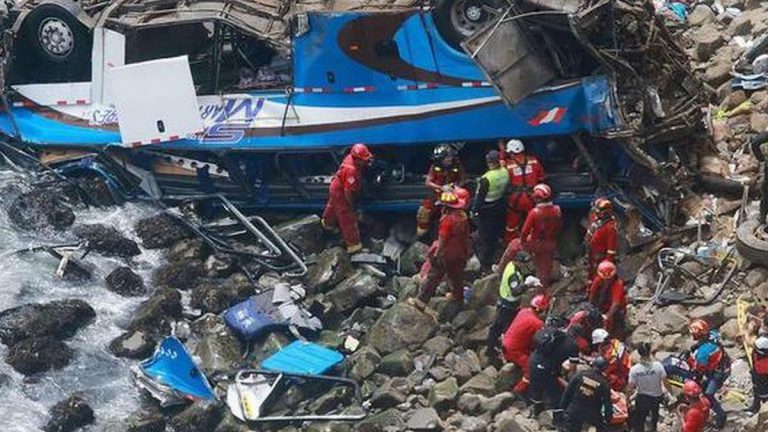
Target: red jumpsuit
(581,331)
(539,237)
(453,231)
(619,362)
(601,238)
(439,175)
(525,172)
(339,211)
(695,419)
(518,343)
(606,293)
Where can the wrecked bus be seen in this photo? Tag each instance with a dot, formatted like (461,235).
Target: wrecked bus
(251,100)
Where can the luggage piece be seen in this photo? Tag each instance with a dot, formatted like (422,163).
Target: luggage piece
(253,317)
(303,358)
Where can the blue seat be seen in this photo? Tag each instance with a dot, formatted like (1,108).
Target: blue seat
(303,358)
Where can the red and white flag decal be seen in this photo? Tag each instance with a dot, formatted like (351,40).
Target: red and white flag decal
(553,115)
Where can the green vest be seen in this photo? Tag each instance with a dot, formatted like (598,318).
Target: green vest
(498,180)
(504,291)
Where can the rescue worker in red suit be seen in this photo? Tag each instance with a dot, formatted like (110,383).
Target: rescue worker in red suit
(450,252)
(694,412)
(601,236)
(581,325)
(346,184)
(518,340)
(525,172)
(539,236)
(607,293)
(445,174)
(616,354)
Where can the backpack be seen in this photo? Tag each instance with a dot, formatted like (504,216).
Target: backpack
(546,340)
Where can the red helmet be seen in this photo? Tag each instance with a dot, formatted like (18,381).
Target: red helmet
(463,195)
(360,151)
(540,302)
(542,192)
(691,388)
(606,270)
(453,199)
(603,205)
(698,328)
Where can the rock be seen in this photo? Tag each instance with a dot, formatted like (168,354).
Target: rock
(412,258)
(445,308)
(387,396)
(60,318)
(712,314)
(364,363)
(218,349)
(485,291)
(156,314)
(468,403)
(353,291)
(497,403)
(330,268)
(160,231)
(328,427)
(181,275)
(443,395)
(201,416)
(402,326)
(398,363)
(463,365)
(230,423)
(670,319)
(40,209)
(188,249)
(304,233)
(125,282)
(474,424)
(438,345)
(719,70)
(507,377)
(508,423)
(69,415)
(761,292)
(707,40)
(712,165)
(133,344)
(758,122)
(331,400)
(146,422)
(107,240)
(388,420)
(483,383)
(5,380)
(734,99)
(756,276)
(216,296)
(740,26)
(424,419)
(219,265)
(475,339)
(465,319)
(701,14)
(39,354)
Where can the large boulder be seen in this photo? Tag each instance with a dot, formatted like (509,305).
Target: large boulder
(215,345)
(364,363)
(69,415)
(106,240)
(39,354)
(40,209)
(463,365)
(61,319)
(188,249)
(182,275)
(125,282)
(330,268)
(156,314)
(304,233)
(402,326)
(483,383)
(442,395)
(707,40)
(353,291)
(412,258)
(160,231)
(700,15)
(201,416)
(425,419)
(713,314)
(670,319)
(398,363)
(136,344)
(485,291)
(216,296)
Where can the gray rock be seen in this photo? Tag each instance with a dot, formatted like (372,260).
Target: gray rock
(440,373)
(106,240)
(740,26)
(364,363)
(329,427)
(69,415)
(443,395)
(713,314)
(412,258)
(402,326)
(182,275)
(201,416)
(474,424)
(475,339)
(485,291)
(219,265)
(445,308)
(60,318)
(133,344)
(230,423)
(438,345)
(468,403)
(34,355)
(398,363)
(756,276)
(156,313)
(388,420)
(508,376)
(353,291)
(424,419)
(508,423)
(304,233)
(707,40)
(496,403)
(146,422)
(387,396)
(670,319)
(330,268)
(701,14)
(403,287)
(331,400)
(216,296)
(188,249)
(41,209)
(719,70)
(125,282)
(212,341)
(160,231)
(465,319)
(463,365)
(483,383)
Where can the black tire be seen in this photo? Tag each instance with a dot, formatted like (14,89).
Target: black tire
(37,59)
(449,26)
(750,244)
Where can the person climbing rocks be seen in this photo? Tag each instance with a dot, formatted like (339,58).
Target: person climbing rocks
(616,354)
(602,235)
(345,187)
(445,174)
(555,349)
(539,236)
(586,319)
(607,293)
(450,252)
(587,399)
(518,340)
(525,172)
(711,364)
(489,209)
(694,412)
(649,379)
(511,289)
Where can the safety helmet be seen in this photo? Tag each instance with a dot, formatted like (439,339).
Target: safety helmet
(492,156)
(540,302)
(599,336)
(698,328)
(361,152)
(542,192)
(691,388)
(515,146)
(603,205)
(606,270)
(599,363)
(464,195)
(523,257)
(761,343)
(532,281)
(443,151)
(452,200)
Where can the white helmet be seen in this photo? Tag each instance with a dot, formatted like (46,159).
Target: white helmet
(761,343)
(515,146)
(532,281)
(599,336)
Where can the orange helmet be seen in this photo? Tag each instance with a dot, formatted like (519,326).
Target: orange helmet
(691,388)
(698,328)
(360,151)
(540,302)
(542,192)
(463,195)
(603,205)
(606,270)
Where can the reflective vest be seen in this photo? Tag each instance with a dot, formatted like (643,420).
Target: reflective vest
(498,180)
(504,291)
